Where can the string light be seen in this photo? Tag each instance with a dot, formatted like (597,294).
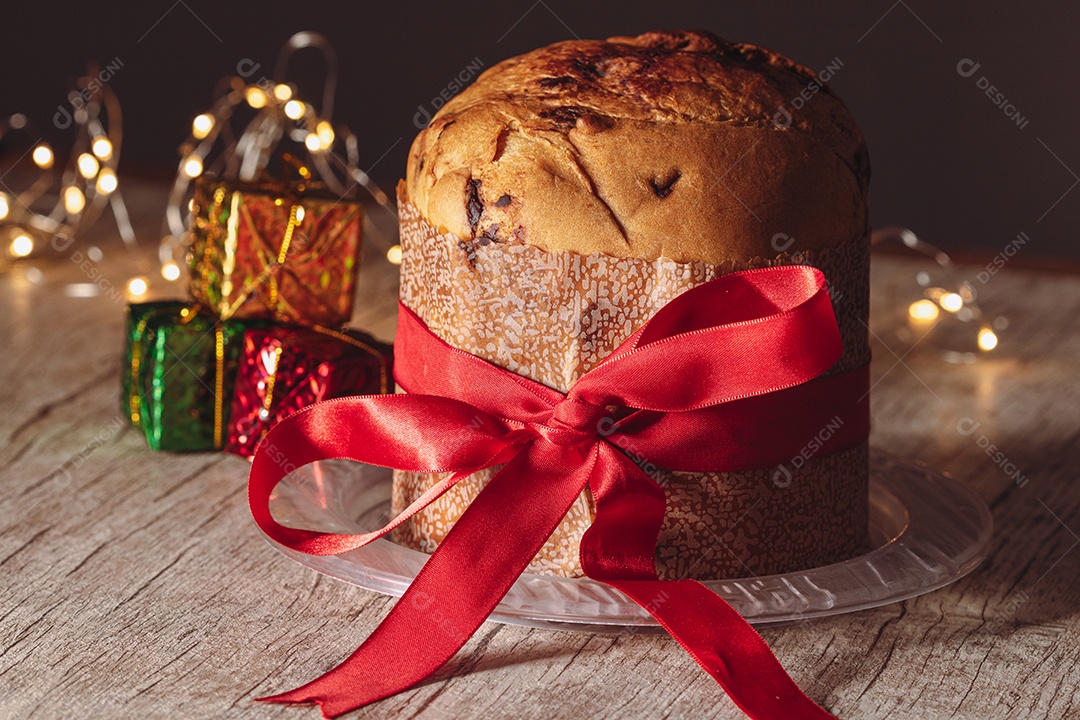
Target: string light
(255,97)
(294,109)
(137,286)
(923,310)
(88,165)
(952,302)
(282,92)
(325,131)
(170,271)
(940,299)
(300,214)
(75,193)
(43,156)
(74,200)
(201,126)
(22,245)
(102,148)
(311,142)
(106,182)
(394,254)
(193,166)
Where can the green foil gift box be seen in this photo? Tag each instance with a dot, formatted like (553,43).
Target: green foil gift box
(286,251)
(179,371)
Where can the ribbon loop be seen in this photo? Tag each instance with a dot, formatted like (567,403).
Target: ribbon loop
(740,336)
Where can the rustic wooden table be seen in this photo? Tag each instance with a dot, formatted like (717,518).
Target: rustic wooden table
(134,584)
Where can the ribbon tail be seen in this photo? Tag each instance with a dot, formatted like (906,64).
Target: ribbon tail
(726,646)
(461,583)
(619,548)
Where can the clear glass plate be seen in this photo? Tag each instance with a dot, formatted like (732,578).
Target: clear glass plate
(928,530)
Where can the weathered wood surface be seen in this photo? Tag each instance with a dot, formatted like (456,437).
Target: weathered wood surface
(134,584)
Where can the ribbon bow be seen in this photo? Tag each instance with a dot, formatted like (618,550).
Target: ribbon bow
(718,379)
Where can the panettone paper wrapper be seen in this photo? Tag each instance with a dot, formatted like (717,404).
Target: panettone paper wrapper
(275,251)
(286,368)
(552,316)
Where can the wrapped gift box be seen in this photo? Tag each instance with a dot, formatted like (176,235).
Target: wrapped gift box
(284,369)
(179,370)
(284,251)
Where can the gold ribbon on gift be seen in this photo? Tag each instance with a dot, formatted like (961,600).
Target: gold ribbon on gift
(296,217)
(219,383)
(271,381)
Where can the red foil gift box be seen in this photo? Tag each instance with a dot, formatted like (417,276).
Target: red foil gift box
(288,252)
(285,369)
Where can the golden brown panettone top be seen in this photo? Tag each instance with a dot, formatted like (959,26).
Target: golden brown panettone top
(669,144)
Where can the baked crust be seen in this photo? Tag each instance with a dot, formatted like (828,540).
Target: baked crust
(663,145)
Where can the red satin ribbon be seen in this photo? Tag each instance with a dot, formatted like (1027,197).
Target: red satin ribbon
(719,379)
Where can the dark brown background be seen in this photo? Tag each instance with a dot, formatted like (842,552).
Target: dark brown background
(947,162)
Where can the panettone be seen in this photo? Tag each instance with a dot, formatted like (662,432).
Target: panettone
(558,202)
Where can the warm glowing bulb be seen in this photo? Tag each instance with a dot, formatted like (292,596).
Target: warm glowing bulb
(294,109)
(987,339)
(137,286)
(201,126)
(325,131)
(22,245)
(102,148)
(924,310)
(43,156)
(5,208)
(106,182)
(299,213)
(74,200)
(394,254)
(255,97)
(88,165)
(311,142)
(193,166)
(951,302)
(282,92)
(170,271)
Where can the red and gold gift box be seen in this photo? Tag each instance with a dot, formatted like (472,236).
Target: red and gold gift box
(285,369)
(274,250)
